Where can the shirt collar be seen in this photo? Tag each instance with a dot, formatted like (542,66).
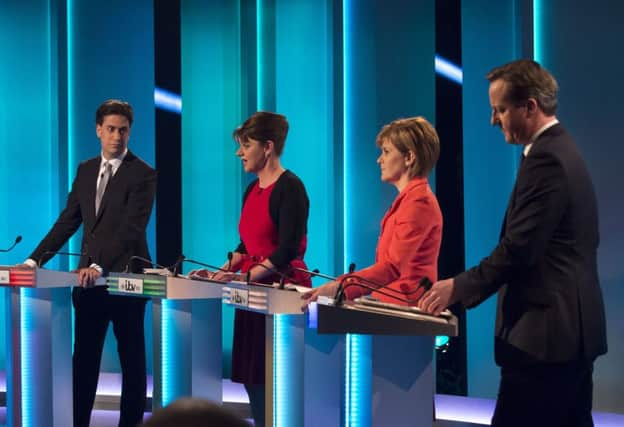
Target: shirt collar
(527,148)
(115,162)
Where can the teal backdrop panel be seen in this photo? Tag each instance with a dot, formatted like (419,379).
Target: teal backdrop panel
(30,116)
(211,173)
(388,73)
(389,50)
(305,93)
(490,166)
(588,68)
(111,55)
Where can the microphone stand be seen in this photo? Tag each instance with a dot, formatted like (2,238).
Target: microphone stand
(17,240)
(424,283)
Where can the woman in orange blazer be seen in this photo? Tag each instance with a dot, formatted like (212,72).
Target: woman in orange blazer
(411,230)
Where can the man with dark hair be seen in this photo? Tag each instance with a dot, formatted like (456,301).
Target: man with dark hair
(550,320)
(111,197)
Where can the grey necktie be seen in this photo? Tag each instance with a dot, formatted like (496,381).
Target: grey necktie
(108,171)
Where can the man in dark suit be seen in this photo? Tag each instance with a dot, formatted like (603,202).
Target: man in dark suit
(550,320)
(112,197)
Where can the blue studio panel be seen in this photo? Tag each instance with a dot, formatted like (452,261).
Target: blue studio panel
(110,52)
(211,173)
(589,70)
(29,184)
(60,60)
(490,166)
(388,73)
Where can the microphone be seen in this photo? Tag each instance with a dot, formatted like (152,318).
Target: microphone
(351,268)
(424,284)
(150,262)
(282,276)
(176,265)
(17,240)
(203,264)
(314,272)
(229,257)
(43,255)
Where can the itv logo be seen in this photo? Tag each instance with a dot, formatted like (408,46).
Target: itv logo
(131,286)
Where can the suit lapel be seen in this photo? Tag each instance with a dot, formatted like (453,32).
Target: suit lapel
(92,177)
(112,184)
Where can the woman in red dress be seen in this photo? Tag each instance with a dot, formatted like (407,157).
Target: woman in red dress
(411,230)
(272,228)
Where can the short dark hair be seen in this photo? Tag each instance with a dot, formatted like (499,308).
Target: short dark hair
(264,126)
(194,412)
(114,106)
(527,79)
(417,135)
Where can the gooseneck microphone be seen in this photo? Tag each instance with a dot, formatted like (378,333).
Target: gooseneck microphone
(424,285)
(54,253)
(351,268)
(140,258)
(315,273)
(281,275)
(230,255)
(17,240)
(176,266)
(203,264)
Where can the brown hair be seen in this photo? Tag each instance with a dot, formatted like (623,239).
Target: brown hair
(264,126)
(114,106)
(413,134)
(527,79)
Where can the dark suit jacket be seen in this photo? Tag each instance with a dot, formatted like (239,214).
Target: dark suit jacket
(118,231)
(550,306)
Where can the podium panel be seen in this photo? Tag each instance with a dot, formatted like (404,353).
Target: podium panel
(284,347)
(186,324)
(38,339)
(363,340)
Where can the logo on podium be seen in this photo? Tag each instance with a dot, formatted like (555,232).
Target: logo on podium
(239,297)
(131,286)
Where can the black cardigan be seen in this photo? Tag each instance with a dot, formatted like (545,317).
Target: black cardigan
(288,208)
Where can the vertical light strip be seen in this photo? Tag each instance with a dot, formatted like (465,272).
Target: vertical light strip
(358,347)
(537,33)
(70,98)
(27,349)
(281,373)
(167,364)
(358,380)
(259,55)
(346,50)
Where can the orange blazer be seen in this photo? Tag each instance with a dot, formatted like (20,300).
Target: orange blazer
(408,246)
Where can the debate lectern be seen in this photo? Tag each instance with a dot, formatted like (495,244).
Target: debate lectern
(38,343)
(186,324)
(284,347)
(390,379)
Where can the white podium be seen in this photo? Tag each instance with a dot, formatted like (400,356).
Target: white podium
(38,343)
(186,328)
(284,347)
(363,347)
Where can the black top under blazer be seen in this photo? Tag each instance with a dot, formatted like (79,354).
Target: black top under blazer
(118,231)
(544,268)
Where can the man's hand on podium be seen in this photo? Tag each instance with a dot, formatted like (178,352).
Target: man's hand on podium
(24,265)
(327,289)
(438,298)
(88,276)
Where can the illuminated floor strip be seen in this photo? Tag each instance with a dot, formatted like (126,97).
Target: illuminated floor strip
(448,408)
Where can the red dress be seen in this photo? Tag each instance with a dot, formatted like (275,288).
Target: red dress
(260,237)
